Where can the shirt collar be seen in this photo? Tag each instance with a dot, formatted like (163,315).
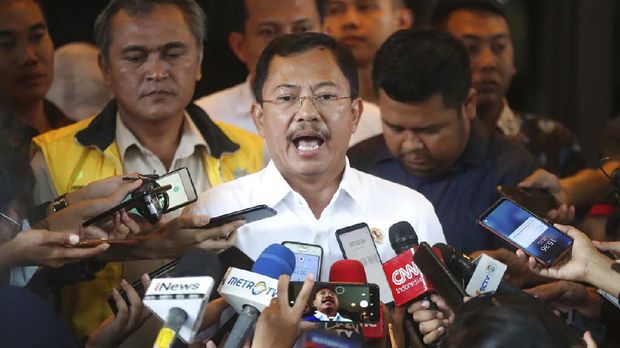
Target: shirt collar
(190,139)
(507,122)
(274,188)
(323,317)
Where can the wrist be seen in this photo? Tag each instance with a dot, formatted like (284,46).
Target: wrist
(597,268)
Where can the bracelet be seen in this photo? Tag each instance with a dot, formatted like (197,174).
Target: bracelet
(60,203)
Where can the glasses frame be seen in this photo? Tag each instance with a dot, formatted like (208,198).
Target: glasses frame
(301,99)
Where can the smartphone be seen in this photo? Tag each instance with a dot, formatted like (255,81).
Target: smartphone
(525,230)
(182,192)
(353,302)
(446,285)
(231,257)
(252,214)
(307,260)
(538,201)
(356,243)
(92,242)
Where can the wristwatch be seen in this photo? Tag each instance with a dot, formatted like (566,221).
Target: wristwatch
(60,203)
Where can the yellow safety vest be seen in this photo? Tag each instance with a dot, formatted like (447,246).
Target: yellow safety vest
(86,151)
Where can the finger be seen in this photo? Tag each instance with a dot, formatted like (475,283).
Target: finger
(549,291)
(133,226)
(283,282)
(81,253)
(224,231)
(123,190)
(427,327)
(188,222)
(215,244)
(441,303)
(58,238)
(122,314)
(146,281)
(434,335)
(418,306)
(590,343)
(426,315)
(303,297)
(135,303)
(521,255)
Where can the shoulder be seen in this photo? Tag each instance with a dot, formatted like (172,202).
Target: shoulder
(363,154)
(386,192)
(62,134)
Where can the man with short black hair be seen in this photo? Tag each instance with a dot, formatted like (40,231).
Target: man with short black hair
(432,141)
(482,25)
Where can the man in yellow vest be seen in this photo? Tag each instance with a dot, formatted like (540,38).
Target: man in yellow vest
(150,55)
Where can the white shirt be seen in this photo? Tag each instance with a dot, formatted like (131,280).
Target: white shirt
(233,105)
(324,317)
(360,198)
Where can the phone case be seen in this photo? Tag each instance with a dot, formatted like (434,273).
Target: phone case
(538,201)
(352,228)
(317,276)
(507,240)
(252,214)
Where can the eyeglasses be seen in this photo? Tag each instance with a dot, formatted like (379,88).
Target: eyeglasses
(324,103)
(15,226)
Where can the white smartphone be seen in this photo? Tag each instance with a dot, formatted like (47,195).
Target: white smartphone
(356,243)
(307,260)
(182,192)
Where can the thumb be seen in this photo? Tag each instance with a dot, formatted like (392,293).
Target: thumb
(62,238)
(124,189)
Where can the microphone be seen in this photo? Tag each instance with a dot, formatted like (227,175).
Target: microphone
(352,271)
(405,278)
(250,292)
(481,275)
(181,301)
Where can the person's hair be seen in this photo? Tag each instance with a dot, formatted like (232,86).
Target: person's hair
(292,44)
(444,9)
(239,14)
(508,321)
(413,65)
(192,13)
(16,178)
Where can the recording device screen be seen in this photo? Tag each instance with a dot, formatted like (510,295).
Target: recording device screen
(526,231)
(339,302)
(182,192)
(307,260)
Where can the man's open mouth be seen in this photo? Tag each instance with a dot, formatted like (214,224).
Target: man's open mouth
(307,142)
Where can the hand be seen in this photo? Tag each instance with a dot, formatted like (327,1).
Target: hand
(563,294)
(545,180)
(100,188)
(278,324)
(173,237)
(590,343)
(612,247)
(114,330)
(45,248)
(583,259)
(76,214)
(432,323)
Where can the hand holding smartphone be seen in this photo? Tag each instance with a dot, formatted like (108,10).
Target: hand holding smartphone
(523,229)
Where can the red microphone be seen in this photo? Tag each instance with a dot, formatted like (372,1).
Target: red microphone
(406,281)
(352,271)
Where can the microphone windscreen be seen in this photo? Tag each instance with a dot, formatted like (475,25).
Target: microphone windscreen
(347,271)
(197,262)
(402,237)
(275,261)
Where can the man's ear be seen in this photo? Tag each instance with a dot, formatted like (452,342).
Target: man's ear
(404,17)
(257,117)
(104,68)
(236,42)
(357,108)
(200,56)
(469,106)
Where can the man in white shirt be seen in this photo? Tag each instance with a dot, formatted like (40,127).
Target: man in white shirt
(262,21)
(326,304)
(308,107)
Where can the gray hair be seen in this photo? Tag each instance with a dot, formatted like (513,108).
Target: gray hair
(193,14)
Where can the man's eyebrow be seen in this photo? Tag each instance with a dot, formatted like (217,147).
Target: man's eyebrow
(130,48)
(286,85)
(174,44)
(38,26)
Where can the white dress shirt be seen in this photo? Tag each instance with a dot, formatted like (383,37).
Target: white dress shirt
(233,105)
(360,198)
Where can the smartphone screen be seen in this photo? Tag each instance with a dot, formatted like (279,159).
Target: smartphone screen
(356,243)
(526,231)
(182,192)
(339,302)
(307,260)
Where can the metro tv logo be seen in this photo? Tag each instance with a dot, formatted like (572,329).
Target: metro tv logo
(257,289)
(170,286)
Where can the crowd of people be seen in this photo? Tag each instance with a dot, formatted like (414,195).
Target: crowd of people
(349,114)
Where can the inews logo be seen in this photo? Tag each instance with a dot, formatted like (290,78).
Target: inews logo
(256,288)
(170,286)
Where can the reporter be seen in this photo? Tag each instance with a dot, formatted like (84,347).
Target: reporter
(278,324)
(585,263)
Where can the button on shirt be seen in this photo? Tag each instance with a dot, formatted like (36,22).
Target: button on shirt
(359,198)
(233,105)
(462,193)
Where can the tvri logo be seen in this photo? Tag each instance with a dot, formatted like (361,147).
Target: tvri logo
(257,288)
(403,274)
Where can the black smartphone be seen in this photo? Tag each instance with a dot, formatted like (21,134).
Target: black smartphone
(538,201)
(252,214)
(523,229)
(307,260)
(446,285)
(339,302)
(231,257)
(182,190)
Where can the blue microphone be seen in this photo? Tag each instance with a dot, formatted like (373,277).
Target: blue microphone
(273,262)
